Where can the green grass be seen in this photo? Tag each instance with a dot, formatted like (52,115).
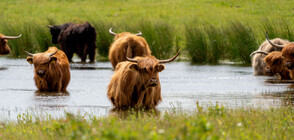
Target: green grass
(213,122)
(161,22)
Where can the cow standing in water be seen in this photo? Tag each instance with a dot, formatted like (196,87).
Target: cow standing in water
(52,72)
(137,46)
(135,83)
(75,38)
(4,48)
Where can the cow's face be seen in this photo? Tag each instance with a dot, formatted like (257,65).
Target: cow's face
(55,31)
(41,63)
(288,55)
(4,48)
(274,63)
(148,68)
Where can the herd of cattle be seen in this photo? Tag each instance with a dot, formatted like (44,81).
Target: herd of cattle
(274,57)
(135,82)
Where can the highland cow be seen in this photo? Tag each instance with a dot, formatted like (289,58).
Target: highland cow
(257,60)
(137,46)
(4,48)
(135,83)
(75,38)
(275,65)
(52,72)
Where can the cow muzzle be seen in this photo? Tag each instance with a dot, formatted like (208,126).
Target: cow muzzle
(153,82)
(269,72)
(41,72)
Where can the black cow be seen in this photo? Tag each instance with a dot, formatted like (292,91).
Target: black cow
(75,38)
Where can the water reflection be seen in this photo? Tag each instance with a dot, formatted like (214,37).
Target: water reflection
(51,93)
(131,113)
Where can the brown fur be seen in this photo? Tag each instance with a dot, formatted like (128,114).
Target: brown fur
(4,48)
(131,85)
(257,60)
(276,65)
(57,72)
(288,55)
(137,46)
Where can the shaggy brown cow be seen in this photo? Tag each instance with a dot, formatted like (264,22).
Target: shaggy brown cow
(75,38)
(137,46)
(52,72)
(275,64)
(135,83)
(257,60)
(4,48)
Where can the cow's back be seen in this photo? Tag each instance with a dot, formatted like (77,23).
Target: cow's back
(137,46)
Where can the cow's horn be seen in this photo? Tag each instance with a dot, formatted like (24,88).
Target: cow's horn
(258,52)
(110,31)
(53,53)
(139,34)
(171,59)
(29,54)
(49,26)
(275,45)
(131,60)
(11,37)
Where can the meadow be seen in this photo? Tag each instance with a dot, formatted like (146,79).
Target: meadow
(206,30)
(212,122)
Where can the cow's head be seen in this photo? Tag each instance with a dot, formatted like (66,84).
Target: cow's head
(122,34)
(4,48)
(148,68)
(274,63)
(55,31)
(41,62)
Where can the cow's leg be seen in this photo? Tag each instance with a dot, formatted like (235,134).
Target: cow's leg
(69,56)
(84,53)
(92,53)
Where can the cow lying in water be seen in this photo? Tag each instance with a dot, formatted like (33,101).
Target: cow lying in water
(257,58)
(137,46)
(135,83)
(52,72)
(275,65)
(4,48)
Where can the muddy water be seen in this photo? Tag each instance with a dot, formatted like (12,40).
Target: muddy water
(182,86)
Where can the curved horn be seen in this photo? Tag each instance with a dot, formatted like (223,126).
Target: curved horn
(262,52)
(49,26)
(110,31)
(53,53)
(29,54)
(11,37)
(171,59)
(139,34)
(275,45)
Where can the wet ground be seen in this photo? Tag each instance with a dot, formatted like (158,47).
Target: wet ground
(182,86)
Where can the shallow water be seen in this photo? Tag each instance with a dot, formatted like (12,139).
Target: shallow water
(182,86)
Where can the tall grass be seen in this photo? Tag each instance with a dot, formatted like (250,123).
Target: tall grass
(104,39)
(196,43)
(216,44)
(159,36)
(242,41)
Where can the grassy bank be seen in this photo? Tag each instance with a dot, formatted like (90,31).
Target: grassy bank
(207,30)
(214,122)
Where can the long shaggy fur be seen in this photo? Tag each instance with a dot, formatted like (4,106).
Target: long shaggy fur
(288,55)
(128,87)
(75,38)
(57,74)
(4,48)
(137,46)
(257,60)
(275,65)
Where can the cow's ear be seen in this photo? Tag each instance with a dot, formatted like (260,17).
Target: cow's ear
(53,59)
(160,68)
(134,67)
(30,60)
